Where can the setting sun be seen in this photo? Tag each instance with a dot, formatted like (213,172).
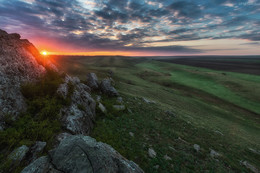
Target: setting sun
(44,53)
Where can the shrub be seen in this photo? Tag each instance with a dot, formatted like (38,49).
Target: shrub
(41,120)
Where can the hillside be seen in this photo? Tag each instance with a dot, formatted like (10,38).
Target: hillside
(46,115)
(195,119)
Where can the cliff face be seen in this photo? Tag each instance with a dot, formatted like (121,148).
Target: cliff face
(18,64)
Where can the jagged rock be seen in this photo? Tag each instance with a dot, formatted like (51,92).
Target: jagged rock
(14,36)
(129,110)
(156,167)
(196,147)
(98,98)
(92,81)
(148,101)
(166,157)
(119,107)
(102,107)
(79,116)
(80,153)
(60,137)
(18,155)
(214,154)
(41,165)
(36,149)
(219,132)
(131,134)
(63,90)
(254,151)
(151,153)
(17,65)
(249,166)
(172,148)
(107,88)
(119,100)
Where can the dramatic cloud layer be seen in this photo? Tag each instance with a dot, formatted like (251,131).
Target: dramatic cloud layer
(145,26)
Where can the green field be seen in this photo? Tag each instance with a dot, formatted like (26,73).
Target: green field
(215,109)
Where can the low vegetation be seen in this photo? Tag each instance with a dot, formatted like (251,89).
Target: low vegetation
(39,123)
(216,110)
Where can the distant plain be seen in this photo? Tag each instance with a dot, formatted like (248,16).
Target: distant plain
(217,107)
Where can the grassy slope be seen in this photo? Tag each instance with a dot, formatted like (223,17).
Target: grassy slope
(203,100)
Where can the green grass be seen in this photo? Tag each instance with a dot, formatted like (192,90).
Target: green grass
(39,123)
(214,82)
(203,100)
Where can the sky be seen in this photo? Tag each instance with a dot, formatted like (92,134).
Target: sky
(136,27)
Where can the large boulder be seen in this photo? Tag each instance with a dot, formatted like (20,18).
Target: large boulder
(36,149)
(17,65)
(92,81)
(80,153)
(18,155)
(107,88)
(20,62)
(78,117)
(41,165)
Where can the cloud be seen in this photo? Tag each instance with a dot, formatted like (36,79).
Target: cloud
(186,9)
(130,24)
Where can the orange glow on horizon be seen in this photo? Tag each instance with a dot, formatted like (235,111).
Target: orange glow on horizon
(97,53)
(44,53)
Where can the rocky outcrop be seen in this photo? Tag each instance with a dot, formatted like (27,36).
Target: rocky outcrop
(20,62)
(18,155)
(36,149)
(82,154)
(107,88)
(41,165)
(78,117)
(92,81)
(17,65)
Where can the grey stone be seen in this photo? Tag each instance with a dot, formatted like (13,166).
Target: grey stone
(196,147)
(18,154)
(151,153)
(36,149)
(98,98)
(156,167)
(18,65)
(131,134)
(84,154)
(148,101)
(92,81)
(107,88)
(129,110)
(75,119)
(119,107)
(62,136)
(254,151)
(219,132)
(166,157)
(172,148)
(102,107)
(249,166)
(41,165)
(119,100)
(214,154)
(63,90)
